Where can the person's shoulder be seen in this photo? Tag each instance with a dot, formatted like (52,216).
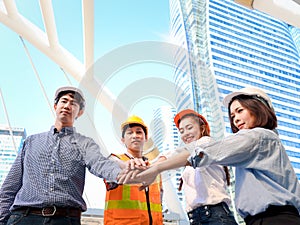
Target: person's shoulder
(38,135)
(113,155)
(261,133)
(83,138)
(204,140)
(265,131)
(79,134)
(253,130)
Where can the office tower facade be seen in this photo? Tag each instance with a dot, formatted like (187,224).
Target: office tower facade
(193,70)
(234,48)
(231,47)
(11,142)
(167,138)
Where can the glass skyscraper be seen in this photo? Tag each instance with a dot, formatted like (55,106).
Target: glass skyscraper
(230,47)
(11,142)
(167,138)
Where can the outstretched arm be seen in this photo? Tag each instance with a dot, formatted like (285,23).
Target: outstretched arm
(176,161)
(146,177)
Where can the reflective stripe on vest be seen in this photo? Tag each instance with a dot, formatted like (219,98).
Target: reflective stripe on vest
(131,196)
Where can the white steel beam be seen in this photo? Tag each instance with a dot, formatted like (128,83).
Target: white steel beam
(38,38)
(88,32)
(58,54)
(11,8)
(49,22)
(288,10)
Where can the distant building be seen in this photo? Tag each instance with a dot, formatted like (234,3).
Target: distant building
(167,138)
(95,217)
(92,217)
(11,142)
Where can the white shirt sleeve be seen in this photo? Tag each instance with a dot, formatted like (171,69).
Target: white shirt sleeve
(191,147)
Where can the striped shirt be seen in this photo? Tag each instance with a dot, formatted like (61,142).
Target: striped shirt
(50,170)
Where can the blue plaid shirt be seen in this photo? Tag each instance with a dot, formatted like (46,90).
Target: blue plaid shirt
(50,170)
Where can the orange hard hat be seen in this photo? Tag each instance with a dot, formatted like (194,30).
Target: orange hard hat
(185,112)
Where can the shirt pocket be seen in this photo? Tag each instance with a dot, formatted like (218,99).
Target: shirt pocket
(70,158)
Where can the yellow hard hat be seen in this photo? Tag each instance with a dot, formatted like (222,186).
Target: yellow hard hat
(135,120)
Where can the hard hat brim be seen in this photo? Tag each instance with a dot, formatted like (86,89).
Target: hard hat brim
(249,91)
(190,111)
(69,88)
(230,96)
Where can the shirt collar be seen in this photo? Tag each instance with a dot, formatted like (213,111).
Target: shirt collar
(64,130)
(131,157)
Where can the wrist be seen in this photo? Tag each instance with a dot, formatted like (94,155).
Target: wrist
(159,168)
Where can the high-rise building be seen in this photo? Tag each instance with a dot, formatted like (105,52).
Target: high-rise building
(193,73)
(11,142)
(230,47)
(167,138)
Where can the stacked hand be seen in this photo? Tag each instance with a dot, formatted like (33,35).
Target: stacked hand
(137,171)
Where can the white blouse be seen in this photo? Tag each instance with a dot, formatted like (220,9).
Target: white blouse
(203,185)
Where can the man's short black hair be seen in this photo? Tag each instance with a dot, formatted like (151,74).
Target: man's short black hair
(133,125)
(76,96)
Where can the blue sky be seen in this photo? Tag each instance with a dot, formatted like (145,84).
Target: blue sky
(117,23)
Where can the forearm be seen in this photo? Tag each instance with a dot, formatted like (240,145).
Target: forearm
(176,161)
(239,149)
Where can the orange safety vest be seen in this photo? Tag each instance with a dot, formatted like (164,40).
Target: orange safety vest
(129,206)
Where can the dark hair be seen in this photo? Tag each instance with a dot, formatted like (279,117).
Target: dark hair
(133,125)
(264,116)
(198,120)
(76,96)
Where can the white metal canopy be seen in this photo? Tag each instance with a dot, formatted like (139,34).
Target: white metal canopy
(285,10)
